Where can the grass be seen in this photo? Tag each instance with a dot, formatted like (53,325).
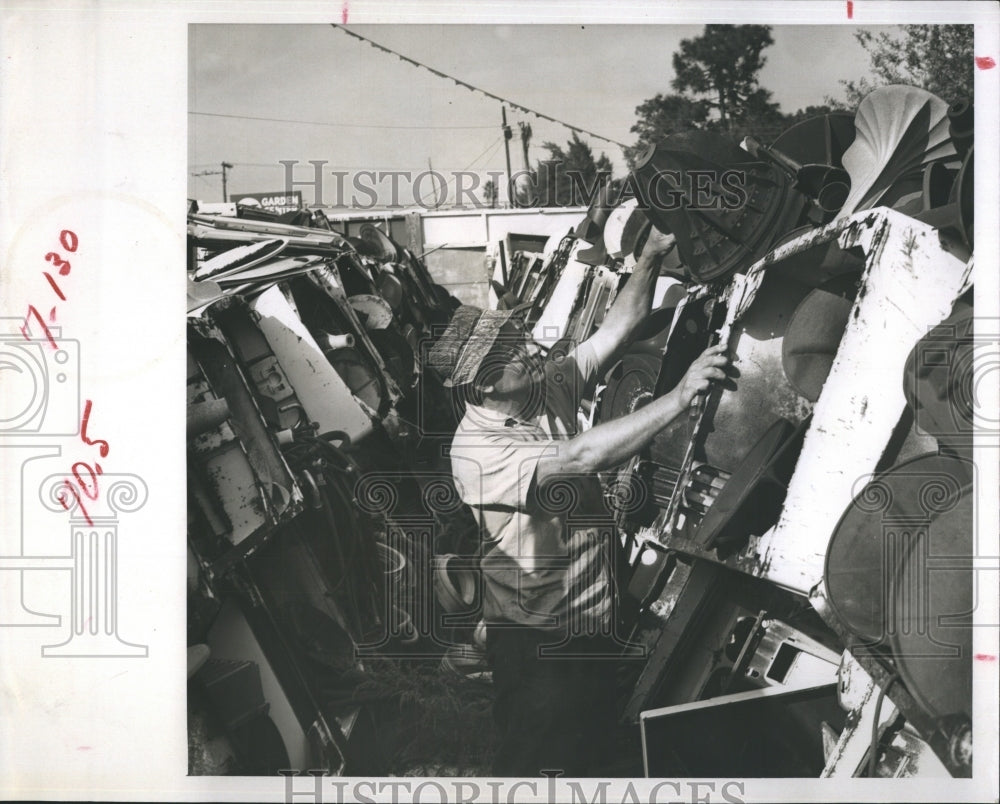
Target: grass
(430,721)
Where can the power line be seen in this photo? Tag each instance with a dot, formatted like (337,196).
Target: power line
(486,152)
(202,178)
(377,168)
(369,166)
(333,125)
(468,86)
(491,148)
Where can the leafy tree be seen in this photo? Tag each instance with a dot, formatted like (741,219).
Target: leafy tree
(938,58)
(663,115)
(569,177)
(721,66)
(490,193)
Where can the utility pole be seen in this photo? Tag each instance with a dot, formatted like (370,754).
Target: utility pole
(507,134)
(225,166)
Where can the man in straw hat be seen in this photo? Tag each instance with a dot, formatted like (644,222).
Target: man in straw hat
(529,476)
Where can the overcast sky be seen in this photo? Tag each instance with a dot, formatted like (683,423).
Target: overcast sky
(385,114)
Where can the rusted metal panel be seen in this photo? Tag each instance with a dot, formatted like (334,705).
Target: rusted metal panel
(329,280)
(909,285)
(324,395)
(554,319)
(858,694)
(241,479)
(414,233)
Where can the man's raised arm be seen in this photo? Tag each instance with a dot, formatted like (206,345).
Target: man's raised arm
(632,305)
(608,444)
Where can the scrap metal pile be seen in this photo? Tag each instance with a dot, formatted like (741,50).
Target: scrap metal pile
(776,535)
(304,387)
(836,466)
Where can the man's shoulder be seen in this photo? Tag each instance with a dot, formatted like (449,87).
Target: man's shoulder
(479,424)
(491,441)
(569,372)
(581,356)
(483,425)
(478,434)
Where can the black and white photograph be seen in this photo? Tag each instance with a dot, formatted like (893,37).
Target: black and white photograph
(577,405)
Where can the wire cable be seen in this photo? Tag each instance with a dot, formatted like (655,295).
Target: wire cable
(873,750)
(199,176)
(378,168)
(468,86)
(330,125)
(492,148)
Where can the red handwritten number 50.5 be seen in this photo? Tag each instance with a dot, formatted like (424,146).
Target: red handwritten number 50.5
(84,474)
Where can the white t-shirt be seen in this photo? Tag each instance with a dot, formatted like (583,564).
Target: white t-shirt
(547,556)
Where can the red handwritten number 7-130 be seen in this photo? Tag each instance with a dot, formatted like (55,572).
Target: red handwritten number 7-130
(69,241)
(84,474)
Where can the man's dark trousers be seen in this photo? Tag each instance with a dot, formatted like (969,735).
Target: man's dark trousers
(554,712)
